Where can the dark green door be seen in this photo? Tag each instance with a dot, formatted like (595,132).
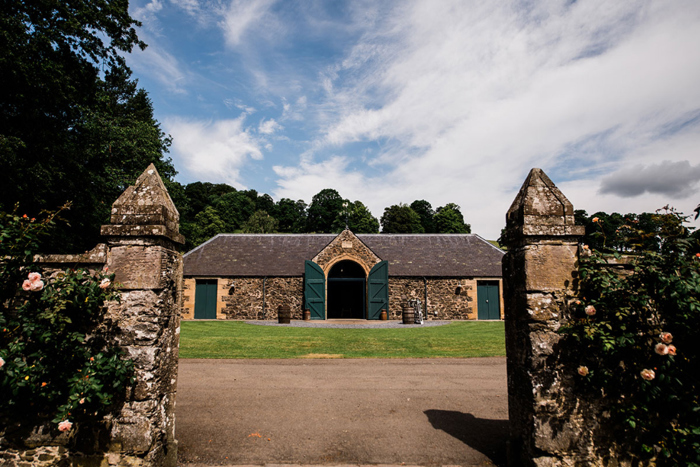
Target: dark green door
(315,290)
(488,300)
(205,299)
(378,290)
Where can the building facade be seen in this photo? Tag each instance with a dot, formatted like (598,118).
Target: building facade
(344,276)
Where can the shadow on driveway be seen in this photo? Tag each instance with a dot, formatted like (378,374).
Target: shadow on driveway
(484,435)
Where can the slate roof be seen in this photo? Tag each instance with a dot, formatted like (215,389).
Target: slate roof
(429,255)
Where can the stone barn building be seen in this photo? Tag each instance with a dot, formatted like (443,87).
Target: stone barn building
(344,276)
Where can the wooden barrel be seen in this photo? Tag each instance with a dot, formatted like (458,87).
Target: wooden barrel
(307,315)
(284,314)
(409,316)
(382,315)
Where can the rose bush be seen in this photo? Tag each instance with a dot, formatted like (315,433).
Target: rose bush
(58,364)
(650,386)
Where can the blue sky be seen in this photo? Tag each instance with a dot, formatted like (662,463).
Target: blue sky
(448,101)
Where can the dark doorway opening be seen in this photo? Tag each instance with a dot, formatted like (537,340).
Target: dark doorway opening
(346,291)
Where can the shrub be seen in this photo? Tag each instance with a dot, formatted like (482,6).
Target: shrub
(56,361)
(635,344)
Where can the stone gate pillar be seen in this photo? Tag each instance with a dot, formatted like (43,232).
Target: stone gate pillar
(141,241)
(540,278)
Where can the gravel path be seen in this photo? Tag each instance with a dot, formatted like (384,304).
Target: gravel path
(349,324)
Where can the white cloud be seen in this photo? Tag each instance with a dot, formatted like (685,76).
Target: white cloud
(161,66)
(213,151)
(148,14)
(464,98)
(268,127)
(241,16)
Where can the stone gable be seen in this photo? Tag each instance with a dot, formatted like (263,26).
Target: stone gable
(346,246)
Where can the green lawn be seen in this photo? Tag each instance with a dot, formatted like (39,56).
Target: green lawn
(236,339)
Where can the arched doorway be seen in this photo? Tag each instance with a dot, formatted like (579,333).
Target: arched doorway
(346,291)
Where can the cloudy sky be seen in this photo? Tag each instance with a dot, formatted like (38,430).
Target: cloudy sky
(448,101)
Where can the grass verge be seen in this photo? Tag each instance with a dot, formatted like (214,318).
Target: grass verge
(236,339)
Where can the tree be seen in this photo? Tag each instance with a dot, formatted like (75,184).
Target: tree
(425,211)
(234,208)
(265,203)
(260,222)
(400,218)
(73,124)
(359,219)
(449,219)
(324,209)
(207,224)
(202,194)
(291,215)
(628,233)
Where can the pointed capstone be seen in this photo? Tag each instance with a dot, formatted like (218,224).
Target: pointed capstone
(145,210)
(541,209)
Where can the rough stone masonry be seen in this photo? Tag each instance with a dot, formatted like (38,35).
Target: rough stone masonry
(140,250)
(550,424)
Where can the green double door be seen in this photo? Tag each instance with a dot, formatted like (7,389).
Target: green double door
(377,290)
(205,299)
(488,300)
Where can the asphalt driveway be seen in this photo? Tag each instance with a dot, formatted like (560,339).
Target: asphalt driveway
(364,411)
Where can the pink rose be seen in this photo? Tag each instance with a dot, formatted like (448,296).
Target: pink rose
(81,401)
(27,285)
(105,283)
(583,370)
(2,362)
(666,337)
(672,350)
(648,374)
(661,349)
(590,310)
(34,276)
(65,425)
(36,286)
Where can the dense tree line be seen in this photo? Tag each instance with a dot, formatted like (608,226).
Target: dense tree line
(631,232)
(207,209)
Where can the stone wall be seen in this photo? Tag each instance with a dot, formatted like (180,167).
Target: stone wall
(245,299)
(189,286)
(140,250)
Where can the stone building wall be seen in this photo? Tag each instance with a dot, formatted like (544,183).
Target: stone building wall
(245,299)
(189,287)
(441,294)
(285,291)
